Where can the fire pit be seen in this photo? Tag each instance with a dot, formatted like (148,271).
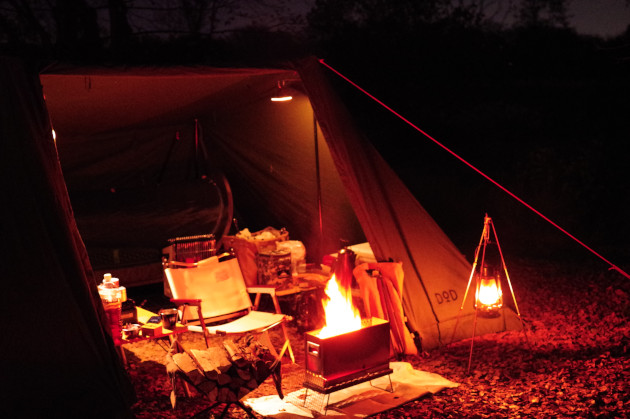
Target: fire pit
(348,350)
(347,359)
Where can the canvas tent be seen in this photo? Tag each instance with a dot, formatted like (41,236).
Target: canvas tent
(115,135)
(127,135)
(56,358)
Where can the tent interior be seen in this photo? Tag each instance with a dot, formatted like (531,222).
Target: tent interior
(154,153)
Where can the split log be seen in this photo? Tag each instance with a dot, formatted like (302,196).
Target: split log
(186,364)
(212,359)
(242,392)
(213,394)
(236,383)
(244,374)
(207,386)
(224,379)
(252,384)
(228,372)
(226,395)
(235,354)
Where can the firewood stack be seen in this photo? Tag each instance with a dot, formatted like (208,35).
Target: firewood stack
(225,373)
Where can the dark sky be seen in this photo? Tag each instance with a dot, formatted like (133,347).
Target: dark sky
(588,17)
(600,17)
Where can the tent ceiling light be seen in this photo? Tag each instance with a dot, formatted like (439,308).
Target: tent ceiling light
(283,98)
(281,92)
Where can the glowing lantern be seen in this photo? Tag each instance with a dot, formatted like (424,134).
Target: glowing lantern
(340,314)
(284,98)
(488,300)
(281,92)
(488,296)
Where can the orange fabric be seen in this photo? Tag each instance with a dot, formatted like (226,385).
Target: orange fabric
(382,298)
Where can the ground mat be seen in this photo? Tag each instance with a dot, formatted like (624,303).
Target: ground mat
(359,401)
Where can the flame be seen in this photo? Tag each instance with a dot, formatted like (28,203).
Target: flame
(341,316)
(489,292)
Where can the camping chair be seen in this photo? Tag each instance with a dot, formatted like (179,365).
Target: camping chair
(212,296)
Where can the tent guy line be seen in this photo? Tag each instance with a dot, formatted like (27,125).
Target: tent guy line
(504,189)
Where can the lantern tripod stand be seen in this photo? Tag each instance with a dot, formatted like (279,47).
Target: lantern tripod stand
(488,294)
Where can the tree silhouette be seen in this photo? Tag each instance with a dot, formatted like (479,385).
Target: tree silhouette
(119,30)
(543,13)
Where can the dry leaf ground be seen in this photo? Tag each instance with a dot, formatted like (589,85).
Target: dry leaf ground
(572,361)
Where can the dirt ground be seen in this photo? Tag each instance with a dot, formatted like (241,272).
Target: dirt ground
(571,361)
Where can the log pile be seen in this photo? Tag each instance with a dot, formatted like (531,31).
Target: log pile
(225,373)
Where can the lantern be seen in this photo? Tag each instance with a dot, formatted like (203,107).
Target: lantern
(488,301)
(488,295)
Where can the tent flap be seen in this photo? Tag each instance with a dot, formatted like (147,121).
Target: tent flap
(57,358)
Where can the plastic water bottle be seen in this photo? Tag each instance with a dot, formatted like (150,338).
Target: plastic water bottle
(111,297)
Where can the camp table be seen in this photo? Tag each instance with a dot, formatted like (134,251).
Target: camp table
(160,333)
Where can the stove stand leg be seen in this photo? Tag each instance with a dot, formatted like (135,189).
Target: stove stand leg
(326,405)
(324,402)
(391,386)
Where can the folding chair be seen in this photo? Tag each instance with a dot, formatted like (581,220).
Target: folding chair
(217,290)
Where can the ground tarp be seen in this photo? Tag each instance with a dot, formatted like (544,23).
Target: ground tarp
(369,398)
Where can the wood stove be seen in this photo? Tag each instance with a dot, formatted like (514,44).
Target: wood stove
(348,359)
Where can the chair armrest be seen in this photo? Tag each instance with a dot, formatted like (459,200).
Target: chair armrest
(262,289)
(186,302)
(173,263)
(265,289)
(182,301)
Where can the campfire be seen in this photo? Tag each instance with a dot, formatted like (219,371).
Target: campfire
(344,316)
(348,350)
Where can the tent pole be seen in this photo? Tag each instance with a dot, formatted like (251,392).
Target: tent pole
(174,142)
(319,187)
